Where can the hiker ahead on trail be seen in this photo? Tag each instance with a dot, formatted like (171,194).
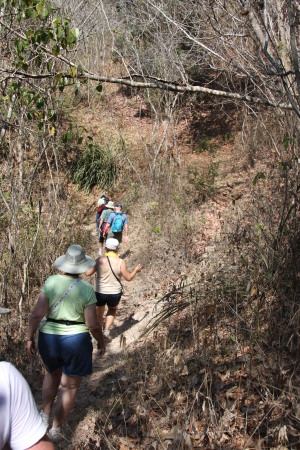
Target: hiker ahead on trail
(118,223)
(101,205)
(108,287)
(68,306)
(103,224)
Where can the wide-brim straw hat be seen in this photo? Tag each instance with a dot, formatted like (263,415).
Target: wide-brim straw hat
(110,205)
(4,310)
(75,260)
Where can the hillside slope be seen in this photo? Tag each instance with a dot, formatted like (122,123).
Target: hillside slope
(209,375)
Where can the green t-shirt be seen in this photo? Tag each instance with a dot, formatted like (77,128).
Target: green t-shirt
(71,308)
(105,215)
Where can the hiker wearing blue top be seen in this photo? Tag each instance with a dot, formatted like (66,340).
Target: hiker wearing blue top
(118,223)
(103,225)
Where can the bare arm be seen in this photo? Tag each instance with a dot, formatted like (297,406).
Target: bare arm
(43,444)
(94,326)
(129,275)
(93,269)
(37,314)
(126,230)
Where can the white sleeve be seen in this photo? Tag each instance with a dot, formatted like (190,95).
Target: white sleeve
(27,426)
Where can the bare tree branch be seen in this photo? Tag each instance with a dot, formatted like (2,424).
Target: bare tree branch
(160,84)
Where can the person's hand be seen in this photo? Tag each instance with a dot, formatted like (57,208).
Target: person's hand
(125,238)
(138,268)
(30,347)
(101,348)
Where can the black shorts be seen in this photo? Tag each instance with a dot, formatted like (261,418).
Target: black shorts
(117,236)
(111,300)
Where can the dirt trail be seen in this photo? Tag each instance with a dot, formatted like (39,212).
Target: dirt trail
(133,315)
(137,307)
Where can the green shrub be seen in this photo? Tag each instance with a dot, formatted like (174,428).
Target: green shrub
(156,230)
(96,167)
(204,144)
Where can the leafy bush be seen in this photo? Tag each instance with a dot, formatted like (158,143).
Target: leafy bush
(96,166)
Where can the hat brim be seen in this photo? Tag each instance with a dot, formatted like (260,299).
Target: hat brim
(64,266)
(4,311)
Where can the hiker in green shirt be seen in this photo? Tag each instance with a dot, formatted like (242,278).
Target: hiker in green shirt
(65,313)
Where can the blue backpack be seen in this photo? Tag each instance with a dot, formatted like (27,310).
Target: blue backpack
(118,223)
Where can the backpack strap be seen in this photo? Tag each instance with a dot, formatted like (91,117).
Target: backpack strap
(121,214)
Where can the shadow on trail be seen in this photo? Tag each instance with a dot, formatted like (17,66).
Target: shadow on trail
(130,322)
(117,331)
(125,254)
(110,379)
(95,394)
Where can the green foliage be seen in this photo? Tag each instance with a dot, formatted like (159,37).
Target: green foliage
(204,144)
(259,176)
(153,205)
(96,167)
(40,39)
(67,137)
(41,28)
(229,137)
(156,230)
(288,140)
(204,182)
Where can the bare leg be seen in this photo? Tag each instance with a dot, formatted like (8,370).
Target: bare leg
(66,398)
(110,317)
(50,388)
(100,313)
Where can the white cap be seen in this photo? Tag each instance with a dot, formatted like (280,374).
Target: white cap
(112,244)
